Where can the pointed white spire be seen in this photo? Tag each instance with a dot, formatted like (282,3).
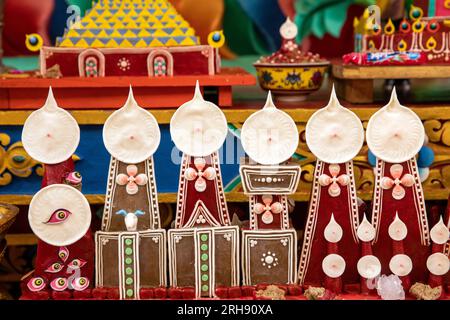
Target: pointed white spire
(197,93)
(333,103)
(393,102)
(365,232)
(131,102)
(269,102)
(439,233)
(50,103)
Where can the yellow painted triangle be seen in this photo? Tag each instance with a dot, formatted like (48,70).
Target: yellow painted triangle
(132,24)
(88,34)
(141,19)
(156,43)
(188,42)
(144,25)
(94,13)
(115,34)
(72,33)
(91,24)
(126,44)
(190,32)
(102,34)
(97,44)
(118,24)
(171,42)
(133,13)
(144,33)
(159,33)
(81,44)
(129,34)
(66,43)
(177,32)
(141,44)
(111,44)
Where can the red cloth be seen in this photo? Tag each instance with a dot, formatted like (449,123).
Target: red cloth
(25,17)
(47,254)
(210,197)
(348,248)
(407,209)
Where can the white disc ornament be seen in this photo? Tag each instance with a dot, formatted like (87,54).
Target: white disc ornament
(333,231)
(131,134)
(369,267)
(438,264)
(333,265)
(59,215)
(50,134)
(334,134)
(395,133)
(269,136)
(400,265)
(198,127)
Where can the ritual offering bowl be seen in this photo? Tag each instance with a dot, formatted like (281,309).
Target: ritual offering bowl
(289,73)
(8,215)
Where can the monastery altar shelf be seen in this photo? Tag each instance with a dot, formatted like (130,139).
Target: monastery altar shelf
(118,43)
(205,250)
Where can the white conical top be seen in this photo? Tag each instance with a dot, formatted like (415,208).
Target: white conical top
(334,134)
(288,29)
(198,127)
(50,134)
(333,231)
(395,133)
(439,233)
(131,134)
(269,136)
(397,229)
(365,232)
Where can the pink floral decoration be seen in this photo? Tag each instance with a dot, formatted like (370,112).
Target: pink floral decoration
(132,180)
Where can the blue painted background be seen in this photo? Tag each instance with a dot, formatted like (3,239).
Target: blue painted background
(94,162)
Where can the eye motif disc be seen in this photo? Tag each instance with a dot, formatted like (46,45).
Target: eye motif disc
(59,215)
(36,284)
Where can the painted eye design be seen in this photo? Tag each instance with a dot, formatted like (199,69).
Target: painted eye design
(79,284)
(36,284)
(76,264)
(74,178)
(58,216)
(33,42)
(63,253)
(59,284)
(54,268)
